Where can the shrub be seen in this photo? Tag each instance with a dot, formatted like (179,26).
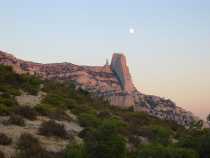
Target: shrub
(51,128)
(154,150)
(7,103)
(59,114)
(1,154)
(104,114)
(8,100)
(29,147)
(52,112)
(106,142)
(44,109)
(196,125)
(156,133)
(4,110)
(30,84)
(86,133)
(4,139)
(56,100)
(50,154)
(27,112)
(16,120)
(14,82)
(197,140)
(75,151)
(88,120)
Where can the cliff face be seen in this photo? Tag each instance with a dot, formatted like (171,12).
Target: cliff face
(112,82)
(119,66)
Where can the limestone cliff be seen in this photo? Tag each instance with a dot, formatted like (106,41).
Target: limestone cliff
(112,82)
(119,66)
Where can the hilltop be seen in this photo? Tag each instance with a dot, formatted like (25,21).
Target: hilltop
(42,118)
(112,82)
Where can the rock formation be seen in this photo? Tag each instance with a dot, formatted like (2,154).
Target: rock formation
(112,82)
(121,70)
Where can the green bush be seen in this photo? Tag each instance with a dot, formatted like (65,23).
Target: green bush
(156,150)
(75,151)
(7,103)
(30,84)
(196,140)
(105,142)
(9,89)
(156,133)
(11,82)
(88,120)
(4,110)
(55,100)
(52,112)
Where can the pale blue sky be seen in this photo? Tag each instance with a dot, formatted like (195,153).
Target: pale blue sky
(169,55)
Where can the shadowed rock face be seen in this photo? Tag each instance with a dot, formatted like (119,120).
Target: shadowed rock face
(120,68)
(112,82)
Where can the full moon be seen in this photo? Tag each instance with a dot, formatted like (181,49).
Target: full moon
(131,30)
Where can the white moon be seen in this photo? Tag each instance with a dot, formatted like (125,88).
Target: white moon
(131,30)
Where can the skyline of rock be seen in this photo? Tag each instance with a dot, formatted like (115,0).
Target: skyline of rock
(112,82)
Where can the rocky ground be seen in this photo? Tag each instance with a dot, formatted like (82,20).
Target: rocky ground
(52,144)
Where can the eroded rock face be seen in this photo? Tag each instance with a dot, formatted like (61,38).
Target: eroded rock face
(112,82)
(120,68)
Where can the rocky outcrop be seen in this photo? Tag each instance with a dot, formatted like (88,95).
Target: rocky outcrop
(99,80)
(112,82)
(121,70)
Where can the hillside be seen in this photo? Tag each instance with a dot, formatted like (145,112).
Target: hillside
(42,118)
(111,82)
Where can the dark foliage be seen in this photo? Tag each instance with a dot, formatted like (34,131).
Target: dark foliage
(15,120)
(198,141)
(1,154)
(89,120)
(53,113)
(155,150)
(4,139)
(12,82)
(75,151)
(51,128)
(29,147)
(105,142)
(26,112)
(7,103)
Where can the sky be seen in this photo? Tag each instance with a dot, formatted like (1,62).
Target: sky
(166,42)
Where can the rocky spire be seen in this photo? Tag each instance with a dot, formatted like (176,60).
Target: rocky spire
(120,68)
